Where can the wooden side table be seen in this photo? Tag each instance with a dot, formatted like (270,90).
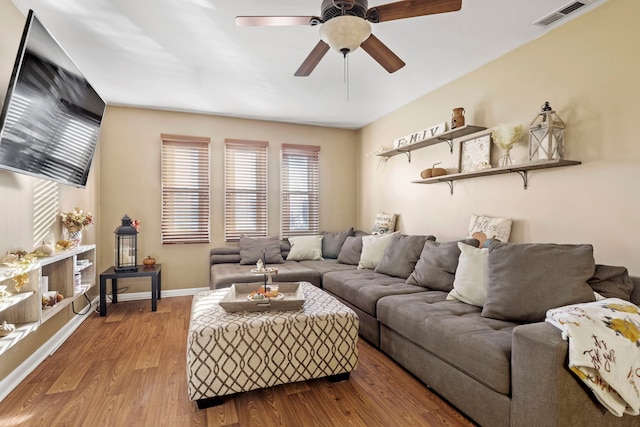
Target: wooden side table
(153,271)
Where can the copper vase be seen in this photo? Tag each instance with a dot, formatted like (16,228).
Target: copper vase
(457,118)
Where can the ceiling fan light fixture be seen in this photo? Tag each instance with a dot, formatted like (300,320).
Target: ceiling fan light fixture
(345,33)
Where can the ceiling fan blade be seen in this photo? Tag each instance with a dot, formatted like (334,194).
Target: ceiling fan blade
(411,8)
(382,54)
(253,21)
(312,60)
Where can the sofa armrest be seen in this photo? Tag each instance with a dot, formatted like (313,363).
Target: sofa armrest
(544,391)
(224,255)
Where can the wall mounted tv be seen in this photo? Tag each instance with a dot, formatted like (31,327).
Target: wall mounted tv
(51,115)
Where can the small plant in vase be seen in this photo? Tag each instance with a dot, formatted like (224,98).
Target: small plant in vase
(506,137)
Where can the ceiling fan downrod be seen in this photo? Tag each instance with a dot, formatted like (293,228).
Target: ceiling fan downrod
(344,5)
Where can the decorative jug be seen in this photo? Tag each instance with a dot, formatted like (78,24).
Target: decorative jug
(457,118)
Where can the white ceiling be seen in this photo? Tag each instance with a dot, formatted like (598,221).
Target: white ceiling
(188,55)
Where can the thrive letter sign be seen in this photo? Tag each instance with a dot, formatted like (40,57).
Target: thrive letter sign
(420,135)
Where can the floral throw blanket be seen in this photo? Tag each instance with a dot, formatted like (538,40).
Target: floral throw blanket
(604,350)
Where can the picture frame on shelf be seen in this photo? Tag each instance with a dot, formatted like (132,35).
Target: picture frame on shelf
(475,154)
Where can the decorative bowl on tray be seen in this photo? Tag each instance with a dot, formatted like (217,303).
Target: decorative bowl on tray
(241,297)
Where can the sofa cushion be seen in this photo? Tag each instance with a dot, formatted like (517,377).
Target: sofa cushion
(326,266)
(472,275)
(437,265)
(612,282)
(401,255)
(224,275)
(455,332)
(253,248)
(332,242)
(373,248)
(526,280)
(351,250)
(363,288)
(305,247)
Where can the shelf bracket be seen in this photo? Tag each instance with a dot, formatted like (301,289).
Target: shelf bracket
(525,178)
(450,186)
(448,141)
(408,153)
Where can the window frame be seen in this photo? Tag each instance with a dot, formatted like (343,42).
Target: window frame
(186,184)
(293,157)
(246,198)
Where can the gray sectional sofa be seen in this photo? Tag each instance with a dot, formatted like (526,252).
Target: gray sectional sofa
(498,372)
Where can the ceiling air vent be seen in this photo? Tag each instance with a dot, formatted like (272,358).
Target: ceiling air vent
(562,12)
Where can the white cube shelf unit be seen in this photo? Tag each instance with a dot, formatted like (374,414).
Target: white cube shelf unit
(25,310)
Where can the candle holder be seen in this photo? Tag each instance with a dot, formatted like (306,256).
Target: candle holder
(266,272)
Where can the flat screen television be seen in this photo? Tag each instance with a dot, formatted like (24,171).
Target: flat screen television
(51,115)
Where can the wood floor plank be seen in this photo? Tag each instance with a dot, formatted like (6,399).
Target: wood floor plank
(224,415)
(129,369)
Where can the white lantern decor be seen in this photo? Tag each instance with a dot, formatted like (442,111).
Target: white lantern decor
(546,136)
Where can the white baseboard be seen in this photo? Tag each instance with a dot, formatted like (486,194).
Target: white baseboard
(134,296)
(12,380)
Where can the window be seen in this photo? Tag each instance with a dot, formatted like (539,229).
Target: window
(245,189)
(185,189)
(300,190)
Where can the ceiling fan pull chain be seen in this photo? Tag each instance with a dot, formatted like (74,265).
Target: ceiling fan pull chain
(346,73)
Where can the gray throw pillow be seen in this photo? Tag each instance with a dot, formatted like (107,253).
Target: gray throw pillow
(437,265)
(351,251)
(401,255)
(252,249)
(332,242)
(612,282)
(526,280)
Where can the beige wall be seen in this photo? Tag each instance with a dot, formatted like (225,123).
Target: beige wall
(130,153)
(588,70)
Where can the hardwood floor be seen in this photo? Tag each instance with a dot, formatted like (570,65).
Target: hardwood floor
(129,369)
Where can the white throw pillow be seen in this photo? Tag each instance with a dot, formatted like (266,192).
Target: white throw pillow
(373,248)
(493,228)
(472,276)
(305,248)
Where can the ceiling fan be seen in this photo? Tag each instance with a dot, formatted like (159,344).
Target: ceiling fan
(345,27)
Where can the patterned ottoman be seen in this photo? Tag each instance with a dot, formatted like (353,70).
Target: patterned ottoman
(229,353)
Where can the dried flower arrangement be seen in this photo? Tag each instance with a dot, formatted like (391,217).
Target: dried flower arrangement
(506,137)
(76,219)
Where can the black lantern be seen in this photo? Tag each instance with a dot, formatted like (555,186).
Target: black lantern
(126,249)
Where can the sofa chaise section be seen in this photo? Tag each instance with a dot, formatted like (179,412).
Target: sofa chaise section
(451,347)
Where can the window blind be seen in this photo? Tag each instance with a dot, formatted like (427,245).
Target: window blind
(245,189)
(300,186)
(185,189)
